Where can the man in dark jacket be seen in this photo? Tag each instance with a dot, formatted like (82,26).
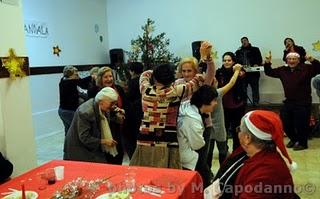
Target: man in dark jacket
(135,113)
(296,109)
(249,56)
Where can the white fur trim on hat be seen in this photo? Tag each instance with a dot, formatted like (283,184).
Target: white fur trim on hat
(293,166)
(254,130)
(293,54)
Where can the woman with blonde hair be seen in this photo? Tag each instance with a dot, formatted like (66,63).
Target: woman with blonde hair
(189,68)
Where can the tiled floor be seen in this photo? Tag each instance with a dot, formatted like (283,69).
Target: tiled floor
(306,178)
(50,148)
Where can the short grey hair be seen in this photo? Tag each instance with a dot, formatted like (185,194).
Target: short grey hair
(68,71)
(94,70)
(107,93)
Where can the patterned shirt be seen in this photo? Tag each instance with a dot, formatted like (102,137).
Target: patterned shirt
(160,108)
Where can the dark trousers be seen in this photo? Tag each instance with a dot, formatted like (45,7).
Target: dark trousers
(66,116)
(252,79)
(223,151)
(130,143)
(295,119)
(232,118)
(202,165)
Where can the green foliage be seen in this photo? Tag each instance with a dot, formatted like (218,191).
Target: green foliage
(149,49)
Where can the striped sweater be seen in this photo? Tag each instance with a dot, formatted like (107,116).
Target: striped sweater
(160,108)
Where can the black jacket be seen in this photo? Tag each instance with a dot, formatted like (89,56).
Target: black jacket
(249,56)
(223,76)
(6,168)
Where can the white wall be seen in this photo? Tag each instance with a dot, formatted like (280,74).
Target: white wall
(45,101)
(71,26)
(16,131)
(265,23)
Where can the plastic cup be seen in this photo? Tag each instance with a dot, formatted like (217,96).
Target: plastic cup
(59,171)
(130,179)
(50,175)
(42,180)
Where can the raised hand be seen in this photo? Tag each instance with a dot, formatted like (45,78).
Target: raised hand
(200,77)
(309,58)
(237,67)
(268,58)
(205,51)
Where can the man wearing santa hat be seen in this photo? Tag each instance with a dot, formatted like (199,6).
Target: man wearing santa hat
(260,134)
(257,169)
(296,109)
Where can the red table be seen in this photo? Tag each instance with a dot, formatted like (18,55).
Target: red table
(187,184)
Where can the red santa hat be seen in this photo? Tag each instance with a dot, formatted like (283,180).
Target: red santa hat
(266,125)
(293,54)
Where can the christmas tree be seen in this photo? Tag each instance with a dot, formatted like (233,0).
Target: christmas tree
(151,50)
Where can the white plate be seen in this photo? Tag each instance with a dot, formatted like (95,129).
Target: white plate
(18,195)
(110,195)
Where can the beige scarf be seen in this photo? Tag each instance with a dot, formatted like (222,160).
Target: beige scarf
(106,134)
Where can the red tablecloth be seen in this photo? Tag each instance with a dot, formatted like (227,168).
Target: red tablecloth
(184,184)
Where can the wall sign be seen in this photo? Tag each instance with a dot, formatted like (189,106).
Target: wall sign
(36,29)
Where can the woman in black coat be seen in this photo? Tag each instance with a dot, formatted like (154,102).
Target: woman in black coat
(234,102)
(292,47)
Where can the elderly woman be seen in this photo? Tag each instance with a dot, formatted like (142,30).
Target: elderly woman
(89,137)
(259,169)
(117,123)
(188,68)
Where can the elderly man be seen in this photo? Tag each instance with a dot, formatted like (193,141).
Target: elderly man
(250,172)
(295,80)
(89,137)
